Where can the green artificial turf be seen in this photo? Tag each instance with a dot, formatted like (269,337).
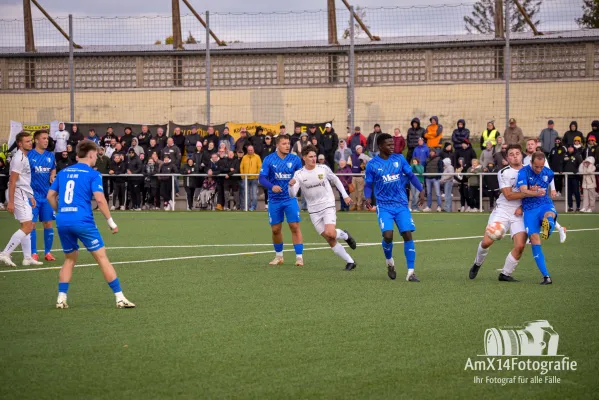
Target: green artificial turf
(232,327)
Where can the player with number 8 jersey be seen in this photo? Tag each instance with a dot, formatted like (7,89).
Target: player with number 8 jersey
(70,195)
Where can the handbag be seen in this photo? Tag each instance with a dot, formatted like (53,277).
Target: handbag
(351,188)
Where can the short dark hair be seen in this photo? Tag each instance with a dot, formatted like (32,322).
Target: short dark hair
(308,149)
(538,155)
(516,146)
(282,137)
(380,140)
(84,147)
(21,135)
(37,133)
(92,130)
(282,126)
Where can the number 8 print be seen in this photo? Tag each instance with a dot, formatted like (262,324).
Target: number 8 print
(68,195)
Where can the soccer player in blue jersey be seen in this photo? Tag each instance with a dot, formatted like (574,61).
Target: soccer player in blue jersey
(277,170)
(388,174)
(539,212)
(43,172)
(70,195)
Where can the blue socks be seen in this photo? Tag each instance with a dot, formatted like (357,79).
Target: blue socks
(299,249)
(115,285)
(551,224)
(278,248)
(537,253)
(410,252)
(33,241)
(48,239)
(387,249)
(63,287)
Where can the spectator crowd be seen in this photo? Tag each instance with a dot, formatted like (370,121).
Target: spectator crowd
(134,164)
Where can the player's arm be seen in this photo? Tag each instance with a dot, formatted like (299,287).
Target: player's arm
(263,179)
(294,184)
(102,203)
(12,186)
(368,185)
(53,175)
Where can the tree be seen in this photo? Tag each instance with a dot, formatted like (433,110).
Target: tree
(190,39)
(360,12)
(590,17)
(168,40)
(483,14)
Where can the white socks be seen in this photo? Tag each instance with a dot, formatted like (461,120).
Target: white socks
(557,226)
(26,246)
(341,234)
(279,254)
(340,251)
(510,265)
(481,254)
(119,296)
(15,241)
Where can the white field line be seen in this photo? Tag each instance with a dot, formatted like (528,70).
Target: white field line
(251,253)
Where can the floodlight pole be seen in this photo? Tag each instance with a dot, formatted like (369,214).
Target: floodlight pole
(208,70)
(507,69)
(71,68)
(351,75)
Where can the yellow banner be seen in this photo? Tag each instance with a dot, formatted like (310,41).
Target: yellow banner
(32,128)
(235,128)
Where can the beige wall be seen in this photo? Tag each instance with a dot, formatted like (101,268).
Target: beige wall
(531,104)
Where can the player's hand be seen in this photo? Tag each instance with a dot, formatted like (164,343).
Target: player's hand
(367,204)
(33,203)
(553,194)
(541,192)
(518,212)
(276,189)
(421,199)
(115,230)
(111,172)
(347,200)
(129,171)
(10,207)
(292,182)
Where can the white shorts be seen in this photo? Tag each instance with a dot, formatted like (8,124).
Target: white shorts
(513,224)
(328,216)
(23,212)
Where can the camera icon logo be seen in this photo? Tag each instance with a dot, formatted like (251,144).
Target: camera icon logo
(536,338)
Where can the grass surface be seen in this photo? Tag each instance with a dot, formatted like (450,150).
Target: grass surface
(230,326)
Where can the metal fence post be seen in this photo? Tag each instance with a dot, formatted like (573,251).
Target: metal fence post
(507,69)
(173,191)
(351,73)
(208,67)
(245,192)
(565,192)
(71,70)
(480,191)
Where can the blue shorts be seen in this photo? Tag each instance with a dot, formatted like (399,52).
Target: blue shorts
(533,218)
(89,236)
(402,217)
(279,211)
(43,211)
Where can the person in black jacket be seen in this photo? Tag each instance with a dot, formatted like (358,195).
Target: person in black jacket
(167,167)
(63,162)
(151,184)
(143,138)
(189,182)
(135,167)
(296,136)
(212,137)
(467,153)
(4,174)
(231,181)
(118,168)
(491,184)
(258,140)
(161,138)
(329,141)
(414,133)
(572,161)
(75,136)
(179,141)
(556,163)
(154,147)
(568,139)
(127,138)
(191,141)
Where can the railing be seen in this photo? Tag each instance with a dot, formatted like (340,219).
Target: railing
(244,178)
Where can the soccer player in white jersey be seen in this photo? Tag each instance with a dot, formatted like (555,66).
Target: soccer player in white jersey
(20,202)
(509,212)
(314,181)
(531,147)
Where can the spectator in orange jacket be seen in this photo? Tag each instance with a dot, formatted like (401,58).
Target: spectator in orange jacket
(434,133)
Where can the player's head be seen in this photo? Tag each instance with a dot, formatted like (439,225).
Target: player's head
(309,155)
(283,144)
(385,143)
(24,141)
(538,161)
(41,139)
(514,155)
(87,152)
(531,146)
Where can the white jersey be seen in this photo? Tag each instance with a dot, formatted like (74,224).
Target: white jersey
(526,161)
(316,187)
(20,165)
(61,138)
(508,177)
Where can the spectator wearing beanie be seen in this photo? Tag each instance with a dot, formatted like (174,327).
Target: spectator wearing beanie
(459,134)
(513,134)
(399,143)
(556,163)
(448,152)
(434,133)
(547,137)
(414,133)
(357,139)
(589,184)
(594,131)
(592,150)
(467,153)
(572,162)
(573,132)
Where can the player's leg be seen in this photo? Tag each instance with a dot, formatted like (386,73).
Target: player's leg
(46,216)
(64,278)
(513,257)
(548,223)
(111,278)
(485,244)
(406,226)
(385,220)
(292,214)
(325,225)
(275,218)
(36,213)
(532,222)
(23,213)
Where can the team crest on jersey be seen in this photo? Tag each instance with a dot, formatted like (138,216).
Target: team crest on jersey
(545,179)
(48,158)
(396,164)
(289,165)
(321,176)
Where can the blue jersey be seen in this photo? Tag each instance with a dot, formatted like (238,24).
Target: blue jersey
(76,186)
(41,168)
(389,178)
(527,177)
(279,172)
